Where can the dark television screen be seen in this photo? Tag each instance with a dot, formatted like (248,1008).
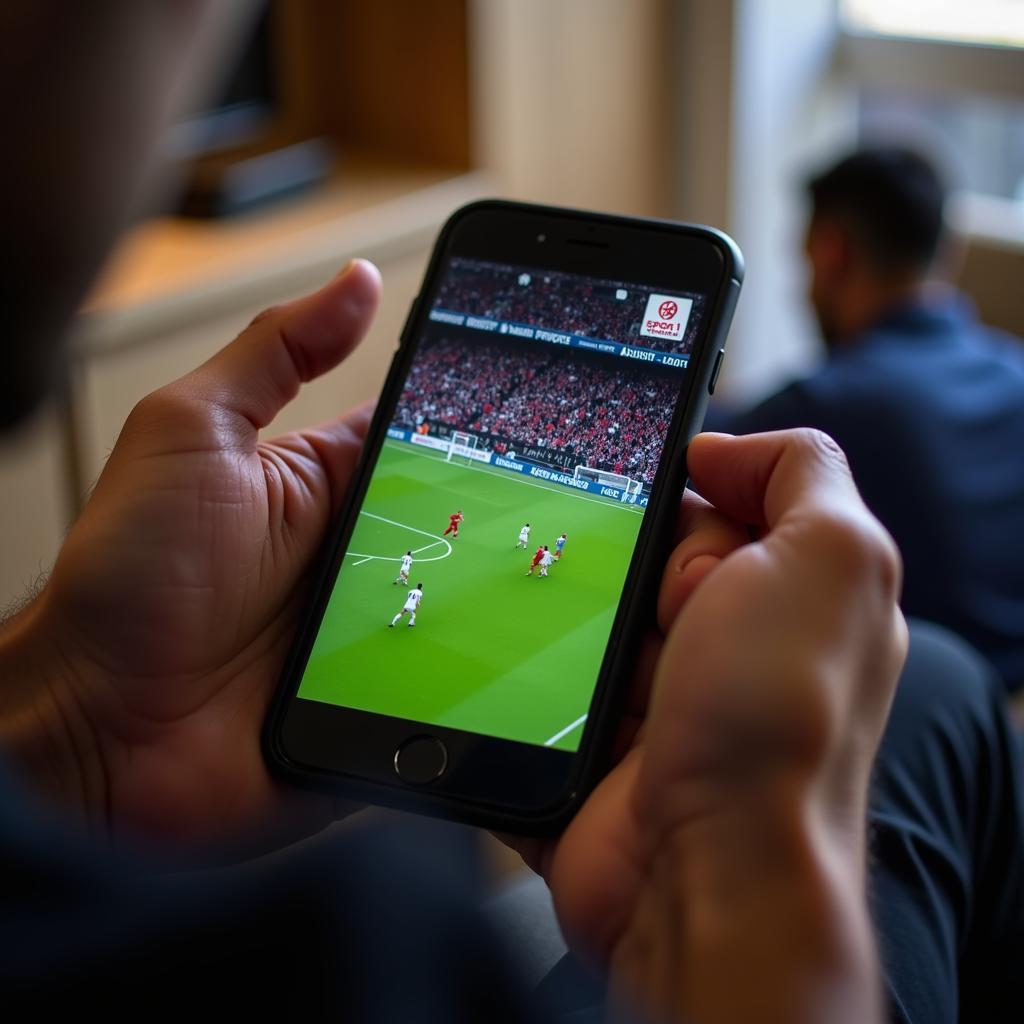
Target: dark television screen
(243,104)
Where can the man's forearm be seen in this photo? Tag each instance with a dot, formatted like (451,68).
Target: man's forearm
(757,913)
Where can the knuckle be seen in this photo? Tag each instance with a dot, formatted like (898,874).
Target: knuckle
(818,446)
(855,543)
(155,406)
(166,409)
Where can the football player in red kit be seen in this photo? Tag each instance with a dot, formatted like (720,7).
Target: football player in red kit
(453,523)
(537,556)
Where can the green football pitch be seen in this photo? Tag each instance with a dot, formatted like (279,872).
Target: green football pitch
(493,651)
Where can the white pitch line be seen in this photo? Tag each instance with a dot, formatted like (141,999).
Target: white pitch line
(502,475)
(427,547)
(565,732)
(387,558)
(404,526)
(415,551)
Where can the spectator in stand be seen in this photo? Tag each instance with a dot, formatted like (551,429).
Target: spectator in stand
(560,302)
(598,413)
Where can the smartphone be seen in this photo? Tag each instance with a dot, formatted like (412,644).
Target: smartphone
(482,595)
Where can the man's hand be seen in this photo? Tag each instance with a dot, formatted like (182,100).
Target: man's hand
(146,665)
(719,868)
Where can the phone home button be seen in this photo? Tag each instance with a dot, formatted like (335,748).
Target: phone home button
(421,759)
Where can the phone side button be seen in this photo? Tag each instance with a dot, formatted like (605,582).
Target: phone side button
(715,370)
(421,759)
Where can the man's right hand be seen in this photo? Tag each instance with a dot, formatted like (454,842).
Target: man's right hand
(719,869)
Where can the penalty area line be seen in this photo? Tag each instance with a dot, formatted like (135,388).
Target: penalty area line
(415,551)
(404,526)
(565,732)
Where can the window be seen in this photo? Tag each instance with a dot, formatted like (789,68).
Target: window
(948,72)
(983,135)
(986,22)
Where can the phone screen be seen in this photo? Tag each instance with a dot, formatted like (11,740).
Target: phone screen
(479,587)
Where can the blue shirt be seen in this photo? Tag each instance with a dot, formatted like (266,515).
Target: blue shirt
(929,407)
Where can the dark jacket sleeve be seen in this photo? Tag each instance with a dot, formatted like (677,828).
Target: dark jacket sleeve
(367,926)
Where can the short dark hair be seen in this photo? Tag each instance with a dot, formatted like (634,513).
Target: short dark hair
(891,199)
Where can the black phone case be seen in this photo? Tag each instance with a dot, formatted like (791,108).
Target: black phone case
(636,609)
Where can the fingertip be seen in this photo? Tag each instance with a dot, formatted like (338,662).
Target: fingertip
(360,282)
(360,267)
(710,462)
(706,442)
(703,447)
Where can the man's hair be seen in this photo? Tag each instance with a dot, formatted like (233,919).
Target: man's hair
(891,200)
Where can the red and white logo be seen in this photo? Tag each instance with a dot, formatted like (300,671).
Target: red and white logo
(666,317)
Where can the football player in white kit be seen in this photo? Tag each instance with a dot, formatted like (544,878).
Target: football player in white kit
(546,559)
(412,602)
(403,572)
(524,537)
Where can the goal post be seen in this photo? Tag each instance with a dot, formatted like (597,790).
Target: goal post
(462,446)
(630,489)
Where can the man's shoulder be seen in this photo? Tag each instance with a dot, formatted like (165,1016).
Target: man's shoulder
(796,404)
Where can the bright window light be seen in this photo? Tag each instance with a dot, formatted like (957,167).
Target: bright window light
(987,22)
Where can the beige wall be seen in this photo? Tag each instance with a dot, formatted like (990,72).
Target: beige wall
(33,505)
(572,103)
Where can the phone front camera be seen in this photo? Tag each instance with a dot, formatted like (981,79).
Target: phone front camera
(542,238)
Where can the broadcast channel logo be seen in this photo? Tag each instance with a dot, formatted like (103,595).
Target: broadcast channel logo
(666,317)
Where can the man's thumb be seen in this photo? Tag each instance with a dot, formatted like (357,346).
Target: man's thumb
(285,346)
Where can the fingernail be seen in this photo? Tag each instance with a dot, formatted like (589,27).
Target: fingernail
(693,570)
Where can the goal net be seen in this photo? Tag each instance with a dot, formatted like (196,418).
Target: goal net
(629,489)
(462,447)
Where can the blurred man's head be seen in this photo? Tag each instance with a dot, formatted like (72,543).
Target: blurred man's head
(85,92)
(875,230)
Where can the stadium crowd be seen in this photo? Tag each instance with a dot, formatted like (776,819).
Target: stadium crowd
(559,302)
(610,417)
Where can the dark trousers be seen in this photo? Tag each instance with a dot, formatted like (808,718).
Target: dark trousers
(947,841)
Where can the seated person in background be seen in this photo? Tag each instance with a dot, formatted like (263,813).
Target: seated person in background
(927,403)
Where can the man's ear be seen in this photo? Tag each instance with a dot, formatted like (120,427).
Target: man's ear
(830,248)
